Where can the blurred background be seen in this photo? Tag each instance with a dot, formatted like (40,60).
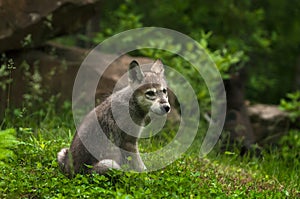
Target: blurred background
(255,45)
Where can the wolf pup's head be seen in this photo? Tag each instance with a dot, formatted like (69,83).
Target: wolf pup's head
(150,88)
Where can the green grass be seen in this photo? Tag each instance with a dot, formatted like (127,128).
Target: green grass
(32,172)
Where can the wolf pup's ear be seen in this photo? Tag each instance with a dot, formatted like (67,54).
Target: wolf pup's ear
(158,67)
(135,74)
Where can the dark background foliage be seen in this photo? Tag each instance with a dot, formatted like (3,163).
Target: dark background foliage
(266,31)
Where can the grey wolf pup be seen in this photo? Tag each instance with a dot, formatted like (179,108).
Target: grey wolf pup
(107,140)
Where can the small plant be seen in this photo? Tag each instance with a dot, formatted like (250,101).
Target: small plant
(290,145)
(291,141)
(35,90)
(27,41)
(291,105)
(48,21)
(6,68)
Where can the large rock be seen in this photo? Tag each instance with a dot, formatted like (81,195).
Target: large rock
(28,23)
(55,68)
(256,124)
(269,123)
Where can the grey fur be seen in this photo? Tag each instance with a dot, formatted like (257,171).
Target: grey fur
(100,143)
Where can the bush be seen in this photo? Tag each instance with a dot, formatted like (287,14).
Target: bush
(291,105)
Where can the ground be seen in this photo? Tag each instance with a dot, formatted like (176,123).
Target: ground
(33,171)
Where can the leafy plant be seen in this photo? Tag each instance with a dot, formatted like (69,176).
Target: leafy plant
(35,90)
(6,68)
(27,41)
(7,65)
(291,105)
(290,145)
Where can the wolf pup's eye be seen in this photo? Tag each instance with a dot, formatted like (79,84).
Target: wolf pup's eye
(164,91)
(150,93)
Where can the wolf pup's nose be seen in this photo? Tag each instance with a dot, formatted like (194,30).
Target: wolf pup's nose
(167,108)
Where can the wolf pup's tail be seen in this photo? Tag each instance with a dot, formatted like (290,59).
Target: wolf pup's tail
(63,160)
